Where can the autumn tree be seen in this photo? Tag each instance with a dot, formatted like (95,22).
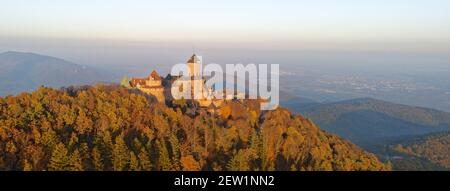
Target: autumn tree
(60,159)
(189,163)
(134,162)
(120,154)
(75,161)
(97,159)
(108,127)
(164,162)
(144,160)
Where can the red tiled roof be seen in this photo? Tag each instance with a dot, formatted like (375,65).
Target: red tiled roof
(141,81)
(155,75)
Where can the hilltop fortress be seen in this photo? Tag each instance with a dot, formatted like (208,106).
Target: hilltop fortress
(191,86)
(188,82)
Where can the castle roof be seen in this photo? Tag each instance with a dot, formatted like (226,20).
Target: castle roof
(155,75)
(193,59)
(141,81)
(135,81)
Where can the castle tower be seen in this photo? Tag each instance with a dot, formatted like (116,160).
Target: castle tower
(195,66)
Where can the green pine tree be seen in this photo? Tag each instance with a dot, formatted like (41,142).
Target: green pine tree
(75,162)
(97,159)
(59,160)
(73,141)
(134,162)
(144,160)
(164,162)
(120,154)
(175,145)
(239,162)
(104,145)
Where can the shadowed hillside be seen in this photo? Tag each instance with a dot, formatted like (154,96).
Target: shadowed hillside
(429,152)
(369,121)
(21,71)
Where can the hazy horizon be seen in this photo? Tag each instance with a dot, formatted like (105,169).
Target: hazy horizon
(328,50)
(112,32)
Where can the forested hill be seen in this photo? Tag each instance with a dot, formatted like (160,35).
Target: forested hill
(430,152)
(368,122)
(112,128)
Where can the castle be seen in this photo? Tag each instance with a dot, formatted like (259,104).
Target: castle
(151,85)
(157,86)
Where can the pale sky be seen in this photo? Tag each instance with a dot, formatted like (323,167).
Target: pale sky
(421,24)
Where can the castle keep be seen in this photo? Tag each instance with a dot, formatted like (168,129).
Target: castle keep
(156,86)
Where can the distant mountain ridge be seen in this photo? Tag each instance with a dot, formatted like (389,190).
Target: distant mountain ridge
(23,71)
(295,103)
(368,121)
